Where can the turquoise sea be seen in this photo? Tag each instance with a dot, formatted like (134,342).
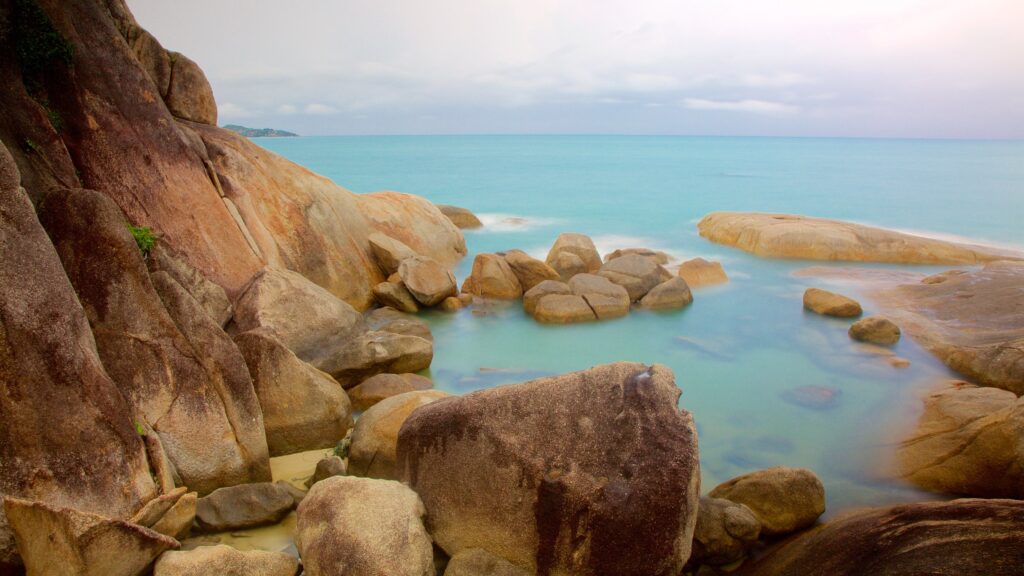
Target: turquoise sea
(742,350)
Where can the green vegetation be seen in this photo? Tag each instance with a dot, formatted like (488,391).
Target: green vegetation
(139,429)
(37,43)
(144,237)
(29,145)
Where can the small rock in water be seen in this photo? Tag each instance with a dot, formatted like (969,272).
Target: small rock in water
(451,304)
(876,330)
(815,397)
(831,304)
(700,272)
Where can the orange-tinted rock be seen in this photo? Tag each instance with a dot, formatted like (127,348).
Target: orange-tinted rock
(492,277)
(528,269)
(831,304)
(579,245)
(699,272)
(382,386)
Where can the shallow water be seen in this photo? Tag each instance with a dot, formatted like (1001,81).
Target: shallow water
(742,352)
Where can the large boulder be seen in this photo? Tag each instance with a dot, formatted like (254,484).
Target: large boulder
(579,245)
(388,251)
(244,506)
(725,532)
(492,277)
(699,272)
(670,294)
(783,499)
(173,363)
(940,538)
(63,541)
(528,269)
(415,222)
(876,330)
(636,273)
(189,95)
(390,320)
(607,299)
(545,288)
(303,408)
(593,472)
(563,309)
(395,295)
(224,560)
(567,265)
(377,352)
(383,386)
(427,280)
(461,217)
(788,236)
(831,304)
(968,441)
(363,527)
(375,436)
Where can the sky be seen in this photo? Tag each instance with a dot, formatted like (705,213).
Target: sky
(851,68)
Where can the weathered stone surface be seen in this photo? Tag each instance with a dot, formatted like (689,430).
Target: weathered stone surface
(303,408)
(636,273)
(395,295)
(210,296)
(155,509)
(390,320)
(151,55)
(876,330)
(363,527)
(940,538)
(973,321)
(177,522)
(831,304)
(427,280)
(567,265)
(788,236)
(593,472)
(375,436)
(67,542)
(388,252)
(415,222)
(658,256)
(461,217)
(170,360)
(563,309)
(221,560)
(377,352)
(189,95)
(670,294)
(699,272)
(528,269)
(969,441)
(492,277)
(606,298)
(327,466)
(243,506)
(545,288)
(783,499)
(382,386)
(480,562)
(606,307)
(725,531)
(578,244)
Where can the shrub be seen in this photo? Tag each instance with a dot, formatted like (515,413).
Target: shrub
(144,238)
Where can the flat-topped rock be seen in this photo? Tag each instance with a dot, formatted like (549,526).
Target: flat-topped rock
(831,304)
(492,277)
(461,217)
(563,309)
(579,245)
(382,386)
(699,272)
(789,236)
(545,288)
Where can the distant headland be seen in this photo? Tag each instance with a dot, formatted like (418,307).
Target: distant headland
(259,132)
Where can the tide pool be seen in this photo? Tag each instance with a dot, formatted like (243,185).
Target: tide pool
(768,384)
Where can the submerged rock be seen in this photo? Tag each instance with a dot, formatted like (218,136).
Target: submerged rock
(375,436)
(427,280)
(814,397)
(382,386)
(460,217)
(876,330)
(831,304)
(243,506)
(670,294)
(492,277)
(363,527)
(221,560)
(783,499)
(579,245)
(699,272)
(526,472)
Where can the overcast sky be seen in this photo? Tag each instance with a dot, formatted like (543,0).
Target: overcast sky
(890,68)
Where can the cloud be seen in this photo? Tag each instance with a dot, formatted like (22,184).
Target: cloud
(319,109)
(287,109)
(231,110)
(780,80)
(748,106)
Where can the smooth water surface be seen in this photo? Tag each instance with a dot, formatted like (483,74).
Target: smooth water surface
(767,383)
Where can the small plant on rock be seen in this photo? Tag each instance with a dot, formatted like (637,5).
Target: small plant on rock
(144,238)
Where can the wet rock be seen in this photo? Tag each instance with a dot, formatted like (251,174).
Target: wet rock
(783,499)
(567,265)
(579,245)
(363,527)
(492,277)
(659,257)
(814,397)
(375,436)
(528,269)
(189,95)
(725,532)
(563,309)
(940,538)
(637,274)
(303,408)
(327,467)
(525,472)
(54,540)
(699,272)
(461,217)
(395,295)
(545,288)
(668,295)
(480,562)
(224,560)
(876,330)
(382,386)
(389,252)
(831,304)
(243,506)
(427,280)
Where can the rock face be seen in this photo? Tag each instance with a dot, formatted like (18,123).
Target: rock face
(973,321)
(636,273)
(831,304)
(479,562)
(492,277)
(243,506)
(389,252)
(528,269)
(699,272)
(47,351)
(189,95)
(593,472)
(787,236)
(876,330)
(383,386)
(63,541)
(578,245)
(170,360)
(783,499)
(725,531)
(427,280)
(363,527)
(941,538)
(303,408)
(545,288)
(968,441)
(225,561)
(461,217)
(211,297)
(670,294)
(375,436)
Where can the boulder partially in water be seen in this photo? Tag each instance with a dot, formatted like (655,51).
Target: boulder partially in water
(460,217)
(607,299)
(579,245)
(699,272)
(876,330)
(668,295)
(492,277)
(545,288)
(831,304)
(567,265)
(725,532)
(427,280)
(563,309)
(784,499)
(636,273)
(592,472)
(528,269)
(389,252)
(397,296)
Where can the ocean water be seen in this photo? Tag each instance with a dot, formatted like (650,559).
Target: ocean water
(745,354)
